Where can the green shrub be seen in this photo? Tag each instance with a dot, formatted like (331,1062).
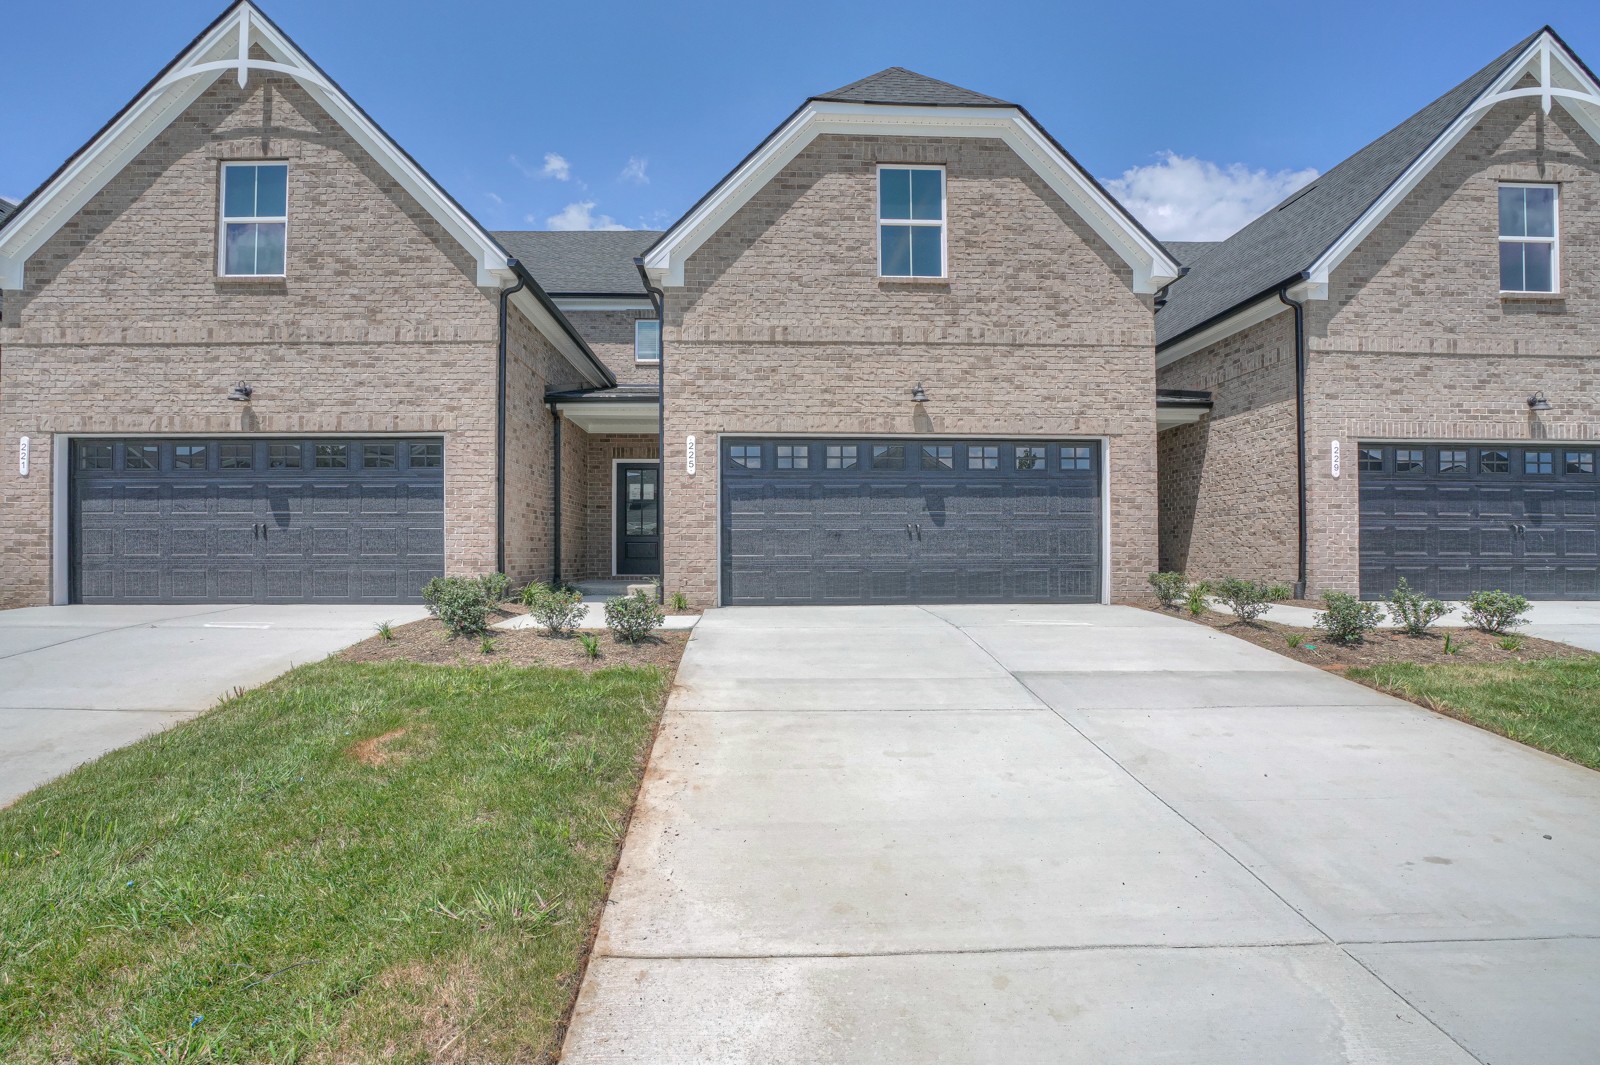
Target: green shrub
(385,630)
(1347,619)
(1496,611)
(1295,639)
(1249,599)
(1170,587)
(1511,643)
(532,591)
(1413,610)
(680,602)
(558,610)
(1195,598)
(496,588)
(486,645)
(631,618)
(459,603)
(1450,646)
(591,645)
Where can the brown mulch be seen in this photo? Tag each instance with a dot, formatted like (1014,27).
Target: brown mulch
(1382,647)
(426,641)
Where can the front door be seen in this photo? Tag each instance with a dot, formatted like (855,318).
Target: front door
(638,517)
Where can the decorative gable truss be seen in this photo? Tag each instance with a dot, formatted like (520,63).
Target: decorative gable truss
(1562,78)
(225,48)
(1152,266)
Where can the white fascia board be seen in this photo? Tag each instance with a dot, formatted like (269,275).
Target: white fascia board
(603,303)
(1152,266)
(1546,60)
(222,50)
(545,322)
(608,418)
(1250,314)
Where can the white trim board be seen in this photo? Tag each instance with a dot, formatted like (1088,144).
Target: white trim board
(1152,266)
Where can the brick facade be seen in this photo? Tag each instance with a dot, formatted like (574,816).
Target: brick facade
(610,335)
(783,326)
(1416,343)
(125,327)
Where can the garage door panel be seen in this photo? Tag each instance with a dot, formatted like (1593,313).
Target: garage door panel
(216,530)
(1579,503)
(1580,543)
(949,534)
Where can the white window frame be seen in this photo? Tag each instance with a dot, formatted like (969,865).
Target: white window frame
(943,223)
(1554,240)
(223,218)
(637,358)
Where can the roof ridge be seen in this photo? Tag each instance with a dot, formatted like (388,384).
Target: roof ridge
(926,90)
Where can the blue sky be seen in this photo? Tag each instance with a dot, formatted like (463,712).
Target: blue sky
(539,115)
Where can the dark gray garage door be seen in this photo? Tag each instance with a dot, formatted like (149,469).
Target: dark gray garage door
(256,520)
(1458,518)
(863,520)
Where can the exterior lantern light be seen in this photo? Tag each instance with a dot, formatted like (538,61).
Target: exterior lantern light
(240,393)
(1537,401)
(918,395)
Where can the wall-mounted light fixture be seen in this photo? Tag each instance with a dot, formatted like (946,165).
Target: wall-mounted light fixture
(1537,401)
(918,395)
(240,393)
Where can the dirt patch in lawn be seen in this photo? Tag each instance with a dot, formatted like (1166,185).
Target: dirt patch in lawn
(427,641)
(1382,647)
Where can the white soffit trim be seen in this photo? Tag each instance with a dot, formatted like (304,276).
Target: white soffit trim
(612,417)
(603,303)
(1152,266)
(1247,316)
(1561,78)
(225,48)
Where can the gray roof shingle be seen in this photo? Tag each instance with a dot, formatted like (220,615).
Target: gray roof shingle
(6,207)
(1284,242)
(597,262)
(897,85)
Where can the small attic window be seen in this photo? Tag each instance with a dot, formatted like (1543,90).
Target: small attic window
(255,218)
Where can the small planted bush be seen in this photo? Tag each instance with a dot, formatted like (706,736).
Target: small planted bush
(1347,619)
(496,588)
(459,603)
(1249,599)
(1413,610)
(1510,643)
(560,611)
(1169,588)
(532,591)
(385,630)
(680,602)
(631,618)
(1496,611)
(591,645)
(1194,599)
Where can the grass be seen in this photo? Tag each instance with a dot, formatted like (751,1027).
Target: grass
(357,862)
(1550,703)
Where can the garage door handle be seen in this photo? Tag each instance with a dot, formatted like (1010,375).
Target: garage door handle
(909,534)
(255,531)
(919,532)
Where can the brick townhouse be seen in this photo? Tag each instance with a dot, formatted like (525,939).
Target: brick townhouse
(907,350)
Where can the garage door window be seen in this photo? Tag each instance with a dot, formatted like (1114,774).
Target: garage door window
(1452,461)
(1030,458)
(938,457)
(1370,460)
(283,456)
(983,457)
(1074,458)
(94,457)
(888,456)
(1580,462)
(793,456)
(841,456)
(378,456)
(1407,461)
(189,457)
(236,456)
(333,456)
(426,456)
(141,457)
(1538,462)
(1494,462)
(745,456)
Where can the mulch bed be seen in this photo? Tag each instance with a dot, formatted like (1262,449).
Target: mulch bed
(426,641)
(1382,647)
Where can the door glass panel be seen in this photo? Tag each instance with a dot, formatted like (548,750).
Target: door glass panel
(333,456)
(643,508)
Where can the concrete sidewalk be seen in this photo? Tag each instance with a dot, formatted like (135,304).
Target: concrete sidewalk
(78,681)
(1014,834)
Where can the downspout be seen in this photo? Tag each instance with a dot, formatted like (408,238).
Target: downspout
(500,426)
(1299,427)
(658,300)
(555,550)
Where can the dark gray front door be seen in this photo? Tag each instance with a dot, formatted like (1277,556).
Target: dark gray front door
(638,519)
(1458,518)
(254,520)
(874,520)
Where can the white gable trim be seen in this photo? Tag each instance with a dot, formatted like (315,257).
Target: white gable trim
(1250,314)
(1561,78)
(1152,266)
(223,49)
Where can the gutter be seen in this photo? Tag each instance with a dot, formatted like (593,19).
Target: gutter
(659,299)
(523,277)
(527,280)
(1299,308)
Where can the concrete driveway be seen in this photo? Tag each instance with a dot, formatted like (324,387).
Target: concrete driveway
(992,834)
(78,681)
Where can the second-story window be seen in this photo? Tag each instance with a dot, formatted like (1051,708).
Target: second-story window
(646,340)
(1529,257)
(255,216)
(911,221)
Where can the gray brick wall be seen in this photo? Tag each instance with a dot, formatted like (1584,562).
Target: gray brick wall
(124,326)
(784,327)
(610,334)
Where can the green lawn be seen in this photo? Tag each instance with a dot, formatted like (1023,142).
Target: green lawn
(1549,703)
(259,886)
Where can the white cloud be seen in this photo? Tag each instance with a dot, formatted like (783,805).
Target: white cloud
(555,166)
(527,171)
(1184,198)
(634,171)
(494,199)
(581,215)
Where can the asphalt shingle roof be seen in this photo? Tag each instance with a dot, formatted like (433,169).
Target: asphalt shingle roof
(596,262)
(897,85)
(6,207)
(1284,242)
